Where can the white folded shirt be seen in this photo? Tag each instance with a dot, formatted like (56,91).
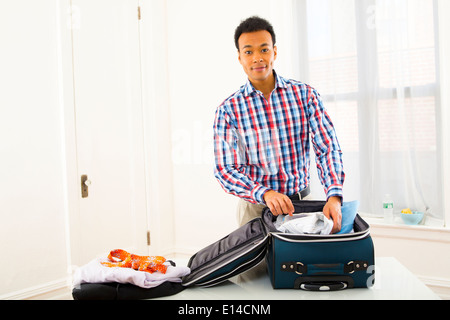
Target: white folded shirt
(304,223)
(95,272)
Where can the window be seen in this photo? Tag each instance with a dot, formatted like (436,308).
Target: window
(374,64)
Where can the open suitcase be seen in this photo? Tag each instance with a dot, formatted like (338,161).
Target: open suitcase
(308,262)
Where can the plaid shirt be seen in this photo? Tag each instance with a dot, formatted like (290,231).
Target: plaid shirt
(262,145)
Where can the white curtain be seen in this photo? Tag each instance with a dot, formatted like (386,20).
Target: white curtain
(375,64)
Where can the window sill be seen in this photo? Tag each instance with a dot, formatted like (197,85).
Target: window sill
(432,231)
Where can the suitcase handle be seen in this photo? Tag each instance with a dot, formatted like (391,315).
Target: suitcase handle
(323,268)
(324,283)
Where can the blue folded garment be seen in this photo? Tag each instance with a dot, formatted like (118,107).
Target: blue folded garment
(348,210)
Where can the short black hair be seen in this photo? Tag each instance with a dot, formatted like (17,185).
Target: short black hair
(253,24)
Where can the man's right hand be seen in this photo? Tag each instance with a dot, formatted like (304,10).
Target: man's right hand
(278,203)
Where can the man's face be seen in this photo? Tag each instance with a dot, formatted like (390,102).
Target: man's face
(257,55)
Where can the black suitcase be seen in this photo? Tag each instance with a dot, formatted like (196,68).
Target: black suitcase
(308,262)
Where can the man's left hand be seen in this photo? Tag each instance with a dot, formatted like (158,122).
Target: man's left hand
(332,210)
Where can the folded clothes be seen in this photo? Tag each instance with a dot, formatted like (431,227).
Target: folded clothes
(316,222)
(95,272)
(304,223)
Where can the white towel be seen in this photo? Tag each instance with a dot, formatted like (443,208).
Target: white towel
(304,223)
(95,272)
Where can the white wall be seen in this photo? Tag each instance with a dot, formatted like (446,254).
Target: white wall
(32,156)
(423,250)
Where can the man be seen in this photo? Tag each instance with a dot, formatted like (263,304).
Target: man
(261,135)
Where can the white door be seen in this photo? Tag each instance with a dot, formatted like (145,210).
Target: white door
(109,130)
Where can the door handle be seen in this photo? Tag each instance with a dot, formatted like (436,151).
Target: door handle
(85,183)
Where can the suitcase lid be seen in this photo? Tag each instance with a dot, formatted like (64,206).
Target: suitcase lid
(237,252)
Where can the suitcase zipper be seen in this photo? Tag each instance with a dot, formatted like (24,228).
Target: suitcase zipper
(225,277)
(318,238)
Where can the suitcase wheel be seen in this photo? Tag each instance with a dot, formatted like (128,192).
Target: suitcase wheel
(324,283)
(323,286)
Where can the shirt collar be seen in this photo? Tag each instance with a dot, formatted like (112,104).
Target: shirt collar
(280,82)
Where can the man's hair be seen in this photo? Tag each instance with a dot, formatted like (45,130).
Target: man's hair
(253,24)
